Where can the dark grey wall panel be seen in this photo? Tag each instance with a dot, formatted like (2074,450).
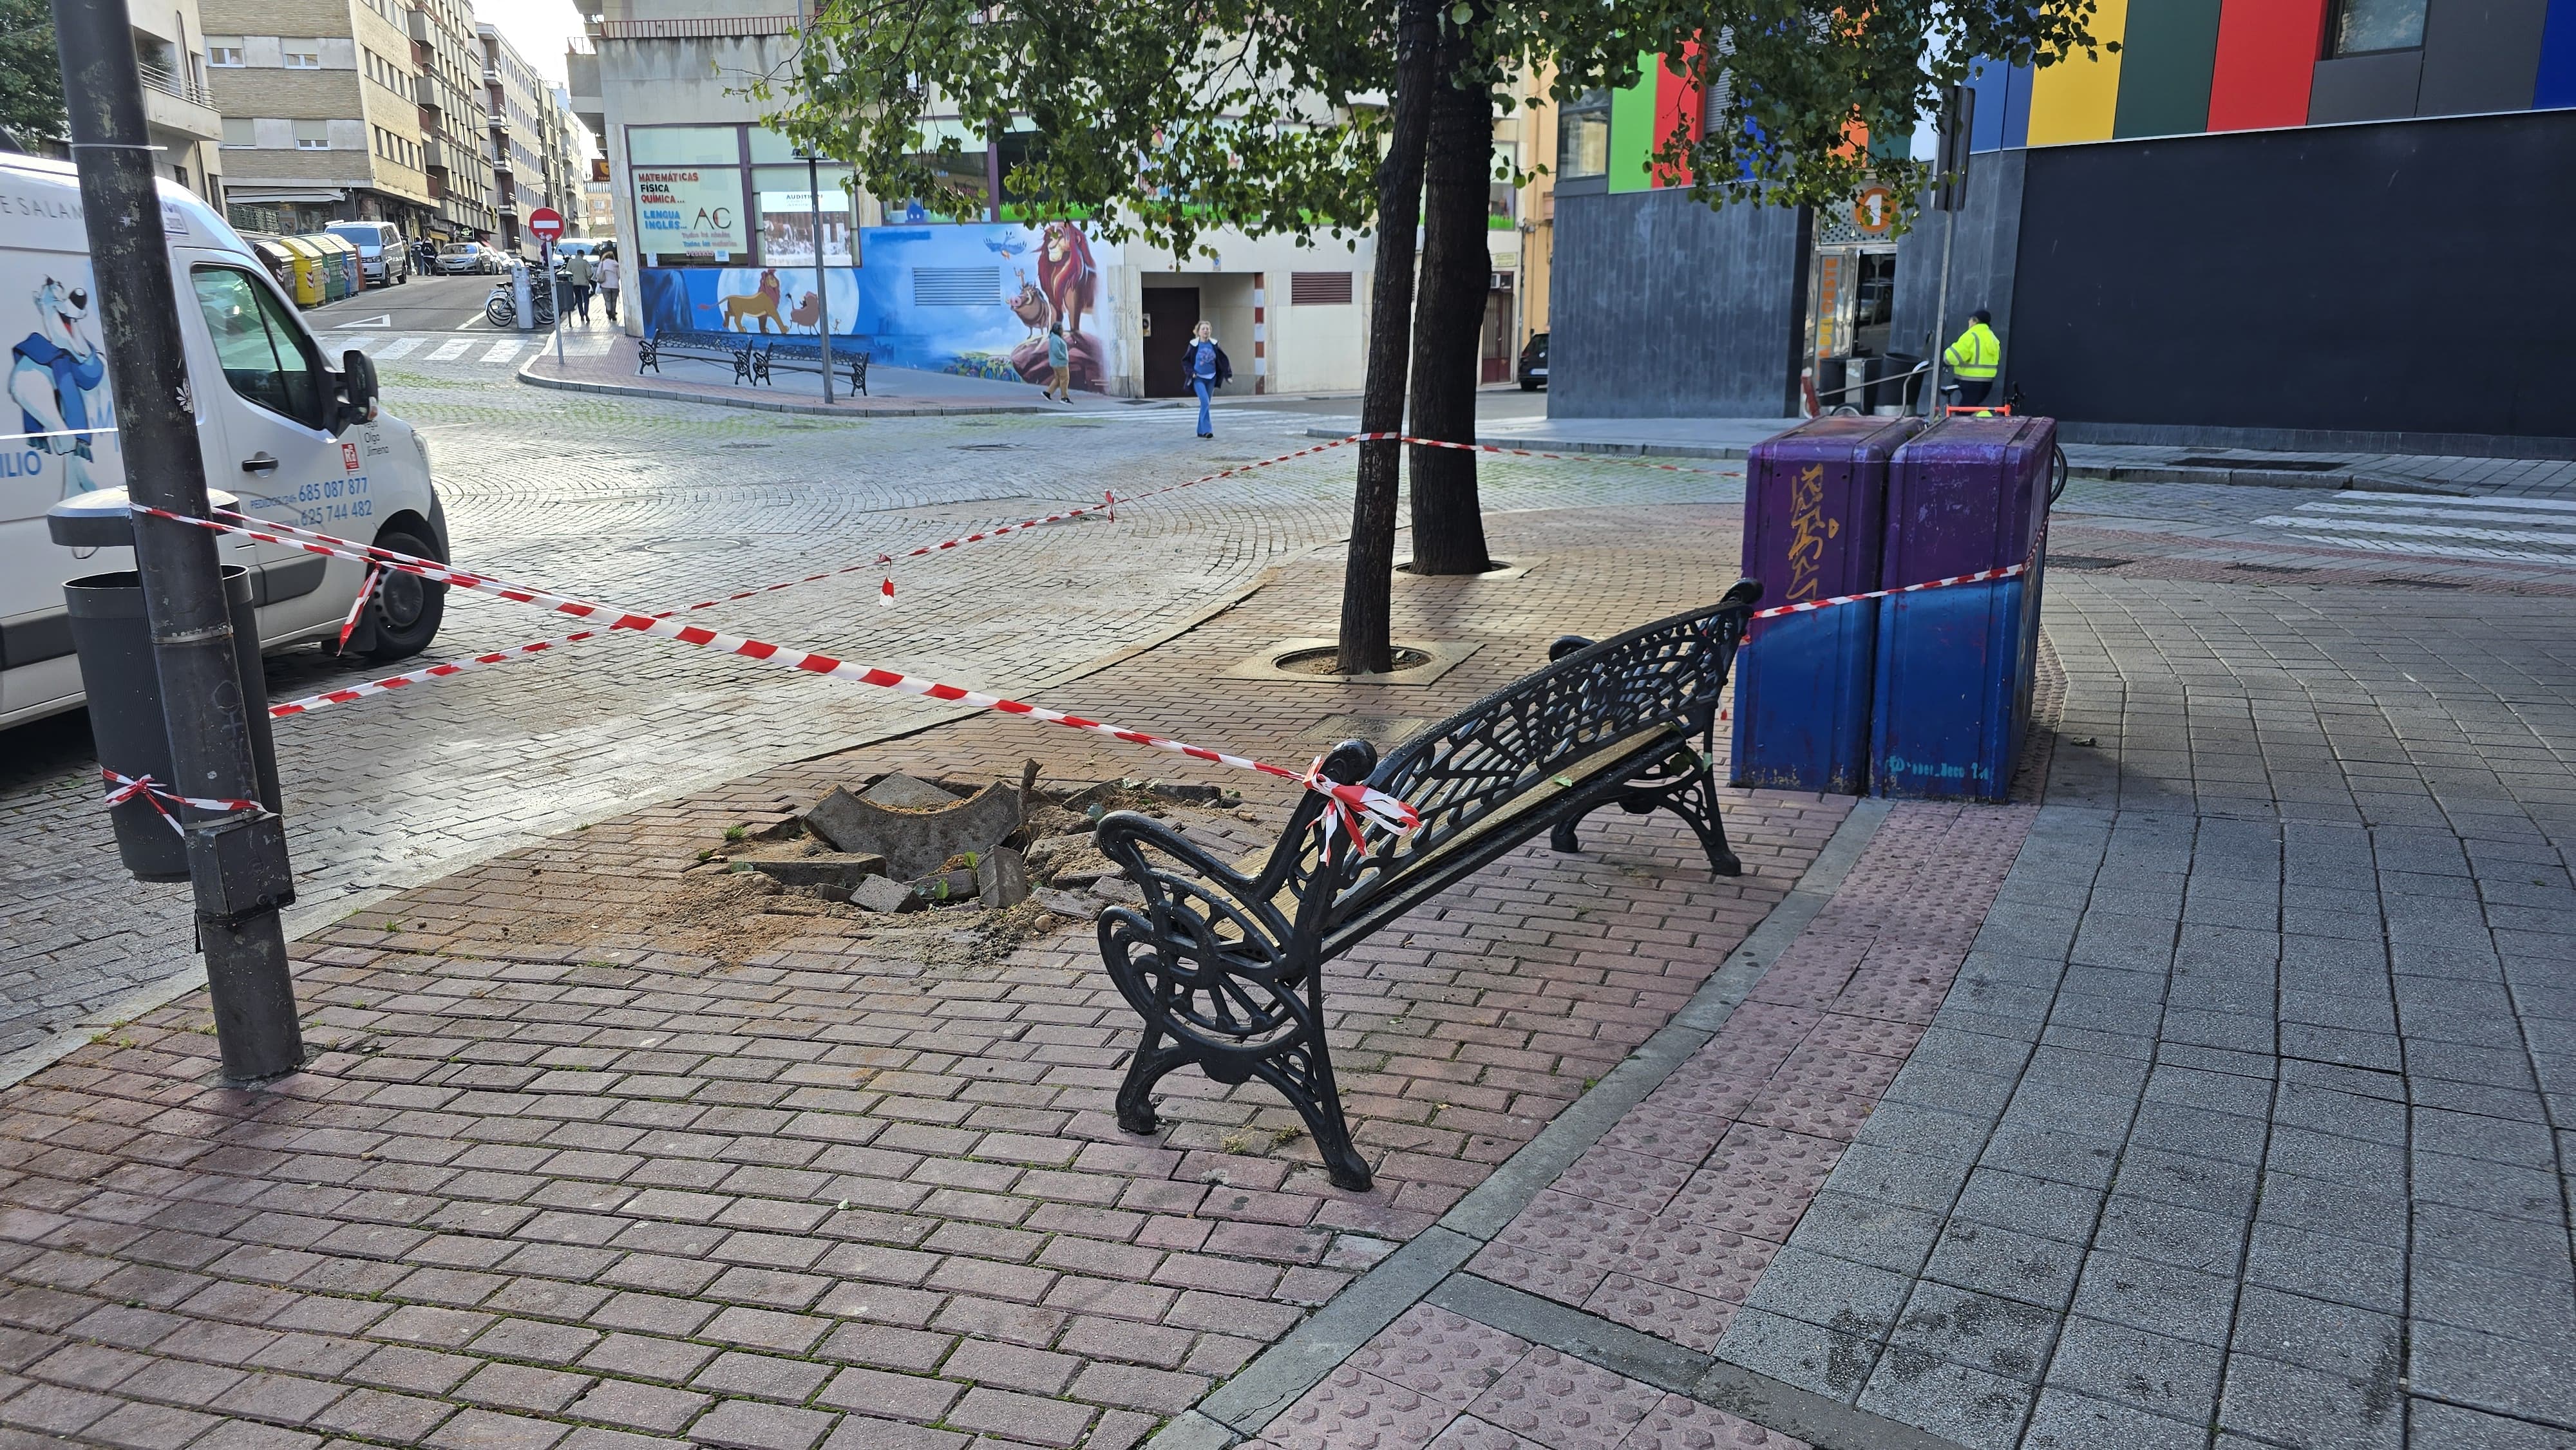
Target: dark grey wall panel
(2480,55)
(1660,307)
(2321,279)
(1982,259)
(2377,87)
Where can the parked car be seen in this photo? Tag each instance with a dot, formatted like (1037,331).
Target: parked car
(461,257)
(381,250)
(299,440)
(1534,363)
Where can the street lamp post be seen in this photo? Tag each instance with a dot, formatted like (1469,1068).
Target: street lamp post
(822,282)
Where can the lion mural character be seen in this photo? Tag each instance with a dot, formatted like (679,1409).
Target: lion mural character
(1068,284)
(742,307)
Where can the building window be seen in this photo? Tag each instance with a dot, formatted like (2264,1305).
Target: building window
(312,135)
(2363,26)
(1583,137)
(300,54)
(240,131)
(226,53)
(1319,289)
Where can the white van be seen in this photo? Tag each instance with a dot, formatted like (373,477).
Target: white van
(269,416)
(382,253)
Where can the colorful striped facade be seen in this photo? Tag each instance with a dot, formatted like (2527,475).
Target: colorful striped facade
(2191,66)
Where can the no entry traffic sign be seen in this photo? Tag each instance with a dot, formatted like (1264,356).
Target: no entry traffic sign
(545,224)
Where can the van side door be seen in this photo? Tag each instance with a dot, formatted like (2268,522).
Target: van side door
(276,450)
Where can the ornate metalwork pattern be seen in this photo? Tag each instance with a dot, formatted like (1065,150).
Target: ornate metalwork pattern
(1227,969)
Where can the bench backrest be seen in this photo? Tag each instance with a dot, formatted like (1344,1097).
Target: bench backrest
(1658,680)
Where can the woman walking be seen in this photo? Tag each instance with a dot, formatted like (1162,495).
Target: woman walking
(607,279)
(1059,365)
(1209,371)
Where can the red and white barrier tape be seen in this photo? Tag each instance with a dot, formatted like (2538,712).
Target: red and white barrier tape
(885,595)
(366,590)
(1806,606)
(1375,805)
(123,788)
(1528,452)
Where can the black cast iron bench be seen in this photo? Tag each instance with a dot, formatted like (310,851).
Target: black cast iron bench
(1225,962)
(804,355)
(723,347)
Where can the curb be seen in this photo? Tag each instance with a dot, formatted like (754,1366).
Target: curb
(1430,1267)
(2252,476)
(763,405)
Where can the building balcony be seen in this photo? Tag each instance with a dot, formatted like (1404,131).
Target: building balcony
(173,104)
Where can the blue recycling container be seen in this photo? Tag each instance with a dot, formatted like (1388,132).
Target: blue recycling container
(1955,664)
(1813,501)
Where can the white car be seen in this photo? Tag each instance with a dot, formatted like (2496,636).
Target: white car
(280,427)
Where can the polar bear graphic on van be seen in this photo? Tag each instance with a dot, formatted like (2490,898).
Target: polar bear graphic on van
(58,378)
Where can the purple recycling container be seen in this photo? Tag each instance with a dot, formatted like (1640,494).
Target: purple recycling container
(1813,501)
(1955,665)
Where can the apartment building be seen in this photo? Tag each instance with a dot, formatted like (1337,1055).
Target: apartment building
(170,59)
(515,100)
(323,119)
(447,63)
(566,158)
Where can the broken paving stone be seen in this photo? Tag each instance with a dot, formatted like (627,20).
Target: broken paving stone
(940,886)
(1118,889)
(1174,790)
(1047,820)
(1001,879)
(880,893)
(915,842)
(839,870)
(900,792)
(1069,903)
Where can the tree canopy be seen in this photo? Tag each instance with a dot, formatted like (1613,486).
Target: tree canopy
(31,104)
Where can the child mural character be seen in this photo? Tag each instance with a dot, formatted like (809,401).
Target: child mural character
(58,378)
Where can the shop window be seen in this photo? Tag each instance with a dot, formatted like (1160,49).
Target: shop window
(1583,137)
(683,145)
(2363,26)
(787,215)
(689,214)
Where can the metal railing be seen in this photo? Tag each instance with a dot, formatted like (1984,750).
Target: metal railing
(156,79)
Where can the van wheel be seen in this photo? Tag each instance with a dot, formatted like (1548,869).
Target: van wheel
(404,615)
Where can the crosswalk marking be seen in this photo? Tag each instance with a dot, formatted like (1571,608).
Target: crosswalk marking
(2448,528)
(502,351)
(396,348)
(451,349)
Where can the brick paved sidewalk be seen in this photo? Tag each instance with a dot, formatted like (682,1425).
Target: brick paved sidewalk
(581,1190)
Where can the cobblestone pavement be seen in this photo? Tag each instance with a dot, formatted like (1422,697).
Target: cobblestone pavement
(551,1184)
(658,504)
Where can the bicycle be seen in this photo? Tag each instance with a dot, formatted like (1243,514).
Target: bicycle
(501,309)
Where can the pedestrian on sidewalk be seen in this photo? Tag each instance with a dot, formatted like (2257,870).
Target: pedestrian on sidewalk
(578,273)
(1209,371)
(1975,359)
(608,281)
(1059,365)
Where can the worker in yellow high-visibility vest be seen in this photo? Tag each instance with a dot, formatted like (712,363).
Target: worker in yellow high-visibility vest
(1975,358)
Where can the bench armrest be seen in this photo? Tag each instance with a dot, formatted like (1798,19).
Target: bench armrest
(1191,892)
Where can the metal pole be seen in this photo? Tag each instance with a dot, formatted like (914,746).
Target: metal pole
(183,589)
(1940,317)
(822,283)
(559,307)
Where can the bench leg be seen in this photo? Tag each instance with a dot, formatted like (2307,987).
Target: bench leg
(1690,794)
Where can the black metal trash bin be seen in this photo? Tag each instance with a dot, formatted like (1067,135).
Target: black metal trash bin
(125,716)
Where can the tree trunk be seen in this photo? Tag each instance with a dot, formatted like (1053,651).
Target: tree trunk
(1368,578)
(1448,525)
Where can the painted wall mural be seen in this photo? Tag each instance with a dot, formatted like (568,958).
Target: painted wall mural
(974,299)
